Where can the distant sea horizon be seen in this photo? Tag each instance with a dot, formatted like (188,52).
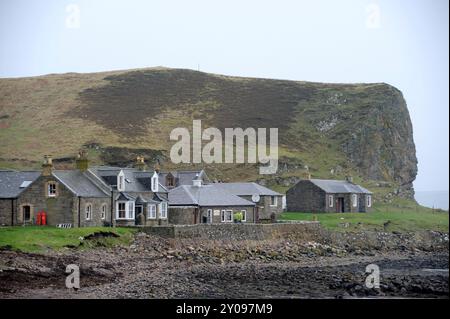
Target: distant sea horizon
(433,199)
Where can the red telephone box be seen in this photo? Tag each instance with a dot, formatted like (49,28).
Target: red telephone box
(44,218)
(39,218)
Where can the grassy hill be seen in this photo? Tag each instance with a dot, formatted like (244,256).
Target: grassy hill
(334,129)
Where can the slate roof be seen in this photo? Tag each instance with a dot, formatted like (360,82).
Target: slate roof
(79,183)
(10,182)
(206,195)
(135,180)
(246,189)
(338,186)
(183,177)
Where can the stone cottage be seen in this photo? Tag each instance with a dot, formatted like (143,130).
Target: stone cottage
(84,196)
(217,202)
(269,204)
(330,196)
(12,184)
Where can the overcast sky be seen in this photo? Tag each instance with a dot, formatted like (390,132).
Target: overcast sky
(400,42)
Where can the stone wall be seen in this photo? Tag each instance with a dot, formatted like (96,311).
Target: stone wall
(6,210)
(236,231)
(184,215)
(306,197)
(96,204)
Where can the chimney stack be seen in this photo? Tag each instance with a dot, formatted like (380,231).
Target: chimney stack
(82,162)
(47,166)
(349,179)
(140,163)
(157,167)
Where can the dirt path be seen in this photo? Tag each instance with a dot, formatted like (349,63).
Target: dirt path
(161,268)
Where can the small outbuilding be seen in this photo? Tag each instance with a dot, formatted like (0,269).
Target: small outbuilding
(329,196)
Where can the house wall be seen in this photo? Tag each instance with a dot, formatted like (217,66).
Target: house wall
(217,219)
(7,207)
(59,209)
(147,221)
(96,219)
(184,215)
(306,197)
(348,204)
(188,215)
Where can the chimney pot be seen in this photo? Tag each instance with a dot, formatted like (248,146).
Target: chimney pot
(140,163)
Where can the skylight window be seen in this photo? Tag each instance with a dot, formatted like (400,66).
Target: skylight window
(25,184)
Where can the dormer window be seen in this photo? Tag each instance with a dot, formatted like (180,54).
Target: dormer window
(170,181)
(121,182)
(155,182)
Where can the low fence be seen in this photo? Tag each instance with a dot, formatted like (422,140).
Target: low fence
(305,230)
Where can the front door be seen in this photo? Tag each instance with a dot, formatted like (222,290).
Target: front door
(138,209)
(340,207)
(26,211)
(361,204)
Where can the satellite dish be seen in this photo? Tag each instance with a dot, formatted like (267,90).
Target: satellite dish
(256,198)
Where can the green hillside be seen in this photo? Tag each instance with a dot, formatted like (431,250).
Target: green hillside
(363,130)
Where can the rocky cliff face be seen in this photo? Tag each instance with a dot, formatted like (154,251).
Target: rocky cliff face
(375,133)
(334,129)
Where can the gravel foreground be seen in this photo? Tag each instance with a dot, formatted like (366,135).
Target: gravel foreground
(154,267)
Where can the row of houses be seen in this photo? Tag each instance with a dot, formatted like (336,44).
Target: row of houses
(128,196)
(117,196)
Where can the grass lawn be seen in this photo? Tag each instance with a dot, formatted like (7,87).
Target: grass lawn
(42,238)
(401,221)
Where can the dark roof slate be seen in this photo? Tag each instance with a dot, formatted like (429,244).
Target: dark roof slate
(10,182)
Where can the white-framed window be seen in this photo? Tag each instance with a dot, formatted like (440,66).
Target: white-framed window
(354,200)
(151,211)
(330,200)
(130,210)
(244,215)
(273,201)
(51,189)
(121,210)
(209,216)
(368,200)
(103,211)
(163,210)
(227,216)
(88,211)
